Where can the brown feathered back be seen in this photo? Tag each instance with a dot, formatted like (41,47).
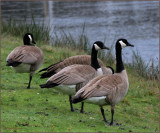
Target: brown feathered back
(114,87)
(31,55)
(73,75)
(78,59)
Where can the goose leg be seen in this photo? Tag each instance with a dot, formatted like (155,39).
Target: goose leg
(82,105)
(112,112)
(102,111)
(30,79)
(70,100)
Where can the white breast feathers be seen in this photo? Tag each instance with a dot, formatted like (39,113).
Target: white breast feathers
(99,72)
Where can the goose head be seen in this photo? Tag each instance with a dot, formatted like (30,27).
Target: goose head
(122,43)
(28,39)
(98,45)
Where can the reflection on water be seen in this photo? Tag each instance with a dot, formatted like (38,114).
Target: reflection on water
(136,21)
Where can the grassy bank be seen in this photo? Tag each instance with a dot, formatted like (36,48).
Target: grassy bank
(42,32)
(46,110)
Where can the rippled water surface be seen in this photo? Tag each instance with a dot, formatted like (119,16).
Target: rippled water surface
(137,21)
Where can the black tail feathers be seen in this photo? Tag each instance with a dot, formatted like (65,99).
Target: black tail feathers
(48,85)
(44,69)
(12,63)
(74,100)
(51,66)
(47,74)
(77,99)
(50,71)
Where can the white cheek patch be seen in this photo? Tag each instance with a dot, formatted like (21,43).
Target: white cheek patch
(30,38)
(122,44)
(96,47)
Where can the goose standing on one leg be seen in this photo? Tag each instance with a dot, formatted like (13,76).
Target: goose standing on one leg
(27,58)
(107,90)
(78,75)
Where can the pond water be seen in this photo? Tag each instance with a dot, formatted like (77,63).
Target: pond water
(137,21)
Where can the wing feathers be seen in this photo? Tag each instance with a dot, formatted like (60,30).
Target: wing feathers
(73,75)
(79,59)
(25,54)
(100,86)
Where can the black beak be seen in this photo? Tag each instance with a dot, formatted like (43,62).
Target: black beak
(104,47)
(130,45)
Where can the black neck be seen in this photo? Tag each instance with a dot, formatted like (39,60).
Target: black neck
(26,41)
(119,62)
(94,60)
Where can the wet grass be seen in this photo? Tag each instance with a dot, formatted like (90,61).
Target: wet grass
(46,110)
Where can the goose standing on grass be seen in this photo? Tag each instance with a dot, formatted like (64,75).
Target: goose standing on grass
(107,90)
(77,74)
(27,58)
(78,59)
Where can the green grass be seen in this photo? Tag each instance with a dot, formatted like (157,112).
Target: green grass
(46,110)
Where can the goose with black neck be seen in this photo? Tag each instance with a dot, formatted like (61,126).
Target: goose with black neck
(27,58)
(77,74)
(107,89)
(77,59)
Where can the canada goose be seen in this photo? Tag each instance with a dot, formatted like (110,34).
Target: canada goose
(77,74)
(78,59)
(107,89)
(27,58)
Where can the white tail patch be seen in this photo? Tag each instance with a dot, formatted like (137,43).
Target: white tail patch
(122,44)
(97,100)
(30,38)
(70,90)
(96,47)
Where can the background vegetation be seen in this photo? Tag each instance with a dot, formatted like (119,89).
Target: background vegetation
(46,110)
